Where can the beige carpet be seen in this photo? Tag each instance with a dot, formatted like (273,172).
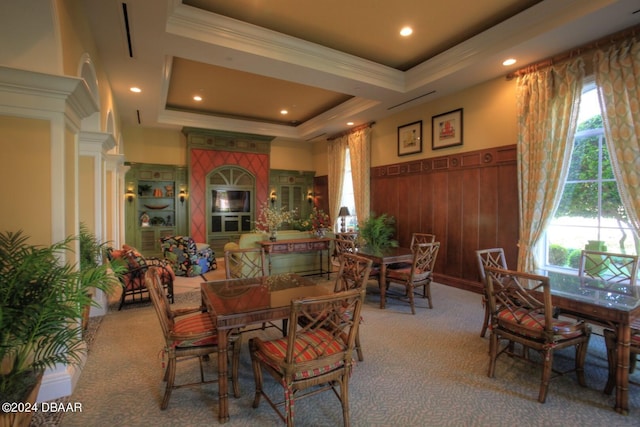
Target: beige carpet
(427,369)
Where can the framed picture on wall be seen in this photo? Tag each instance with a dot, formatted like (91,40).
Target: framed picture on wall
(446,129)
(410,138)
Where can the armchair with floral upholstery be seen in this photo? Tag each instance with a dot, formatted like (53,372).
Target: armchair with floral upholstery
(187,257)
(133,280)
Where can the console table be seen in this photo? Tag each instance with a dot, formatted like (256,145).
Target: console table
(292,246)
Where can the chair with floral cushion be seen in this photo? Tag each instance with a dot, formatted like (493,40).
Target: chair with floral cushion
(188,332)
(187,257)
(522,313)
(133,279)
(419,273)
(312,358)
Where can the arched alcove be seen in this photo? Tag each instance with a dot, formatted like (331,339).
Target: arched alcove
(87,72)
(230,201)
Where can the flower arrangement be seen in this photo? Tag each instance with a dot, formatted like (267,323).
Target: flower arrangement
(271,218)
(319,220)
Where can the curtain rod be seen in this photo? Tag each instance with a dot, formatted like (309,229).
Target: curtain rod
(347,132)
(610,39)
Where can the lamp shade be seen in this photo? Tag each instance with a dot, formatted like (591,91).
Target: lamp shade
(344,211)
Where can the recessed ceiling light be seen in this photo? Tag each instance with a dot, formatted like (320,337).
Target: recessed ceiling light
(135,89)
(508,62)
(406,31)
(284,112)
(349,123)
(197,98)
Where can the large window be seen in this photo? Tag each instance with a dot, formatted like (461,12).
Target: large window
(590,214)
(348,198)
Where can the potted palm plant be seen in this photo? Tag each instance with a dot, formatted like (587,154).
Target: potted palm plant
(41,303)
(377,231)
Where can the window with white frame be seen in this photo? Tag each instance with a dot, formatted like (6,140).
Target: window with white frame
(590,214)
(348,198)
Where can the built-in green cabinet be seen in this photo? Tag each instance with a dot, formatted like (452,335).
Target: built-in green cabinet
(156,206)
(293,190)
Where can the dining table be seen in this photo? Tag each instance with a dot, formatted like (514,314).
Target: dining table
(607,304)
(237,303)
(385,257)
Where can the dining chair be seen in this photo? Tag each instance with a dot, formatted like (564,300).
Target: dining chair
(611,267)
(188,332)
(415,239)
(611,342)
(522,313)
(346,245)
(245,263)
(419,273)
(493,257)
(314,358)
(353,274)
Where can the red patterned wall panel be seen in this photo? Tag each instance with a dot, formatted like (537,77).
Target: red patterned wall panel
(205,161)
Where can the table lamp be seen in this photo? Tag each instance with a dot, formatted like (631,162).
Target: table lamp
(344,212)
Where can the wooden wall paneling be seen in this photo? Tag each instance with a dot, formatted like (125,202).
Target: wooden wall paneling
(508,213)
(469,201)
(441,216)
(471,193)
(454,226)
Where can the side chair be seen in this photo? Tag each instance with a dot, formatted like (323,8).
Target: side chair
(348,246)
(493,257)
(353,274)
(245,263)
(248,263)
(188,333)
(313,358)
(522,313)
(419,273)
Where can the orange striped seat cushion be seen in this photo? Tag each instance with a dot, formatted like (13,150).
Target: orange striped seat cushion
(404,273)
(196,324)
(534,323)
(308,346)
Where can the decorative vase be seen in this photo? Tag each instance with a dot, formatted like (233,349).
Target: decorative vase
(320,233)
(273,235)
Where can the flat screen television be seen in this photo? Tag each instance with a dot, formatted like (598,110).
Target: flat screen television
(231,200)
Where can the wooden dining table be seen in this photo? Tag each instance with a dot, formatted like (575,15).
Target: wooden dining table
(384,257)
(236,303)
(607,304)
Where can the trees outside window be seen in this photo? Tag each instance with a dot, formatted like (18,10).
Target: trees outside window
(590,213)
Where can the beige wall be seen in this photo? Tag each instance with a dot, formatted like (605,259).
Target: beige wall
(86,191)
(158,146)
(26,178)
(489,120)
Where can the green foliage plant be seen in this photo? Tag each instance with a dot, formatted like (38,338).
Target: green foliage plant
(377,231)
(558,255)
(41,302)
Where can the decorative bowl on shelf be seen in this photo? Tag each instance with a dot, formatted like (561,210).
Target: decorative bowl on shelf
(157,207)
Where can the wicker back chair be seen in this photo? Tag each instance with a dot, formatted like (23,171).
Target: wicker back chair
(245,263)
(187,332)
(419,273)
(248,263)
(522,312)
(313,358)
(353,274)
(618,269)
(422,238)
(493,257)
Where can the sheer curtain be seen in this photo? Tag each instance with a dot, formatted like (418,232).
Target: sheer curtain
(360,153)
(547,108)
(336,151)
(617,73)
